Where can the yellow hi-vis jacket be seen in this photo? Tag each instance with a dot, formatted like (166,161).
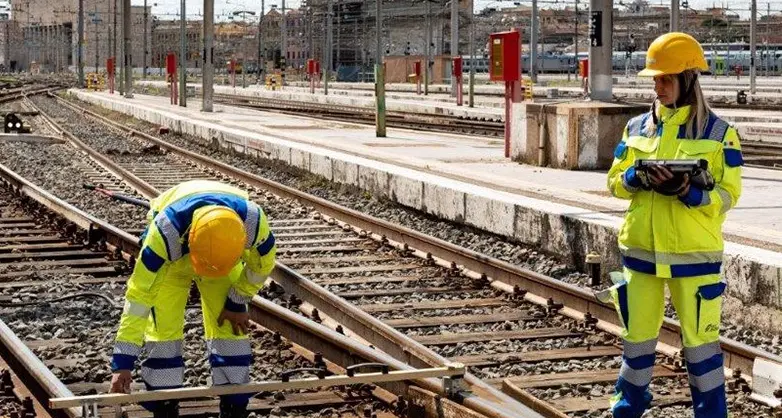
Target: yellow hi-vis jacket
(671,236)
(165,244)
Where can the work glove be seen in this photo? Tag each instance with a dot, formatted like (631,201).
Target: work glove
(703,180)
(665,182)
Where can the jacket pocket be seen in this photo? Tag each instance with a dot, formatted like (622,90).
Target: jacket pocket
(697,149)
(709,309)
(643,144)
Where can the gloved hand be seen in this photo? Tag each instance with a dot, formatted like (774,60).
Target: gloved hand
(663,181)
(120,382)
(240,321)
(703,180)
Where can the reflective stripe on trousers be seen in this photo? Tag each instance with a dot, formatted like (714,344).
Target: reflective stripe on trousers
(230,361)
(707,380)
(164,366)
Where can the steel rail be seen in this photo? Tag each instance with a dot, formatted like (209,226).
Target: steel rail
(737,355)
(144,188)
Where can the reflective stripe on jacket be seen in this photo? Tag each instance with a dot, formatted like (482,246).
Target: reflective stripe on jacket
(165,243)
(672,236)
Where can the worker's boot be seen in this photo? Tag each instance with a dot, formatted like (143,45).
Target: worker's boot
(232,410)
(166,409)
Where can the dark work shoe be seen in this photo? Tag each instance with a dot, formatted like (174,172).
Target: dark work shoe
(166,409)
(232,410)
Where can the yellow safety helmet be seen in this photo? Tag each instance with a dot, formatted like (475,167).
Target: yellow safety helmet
(216,240)
(673,53)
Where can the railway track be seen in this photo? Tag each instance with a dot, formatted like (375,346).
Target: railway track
(52,253)
(524,333)
(358,114)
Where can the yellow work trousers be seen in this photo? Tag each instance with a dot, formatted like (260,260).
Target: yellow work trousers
(229,355)
(640,302)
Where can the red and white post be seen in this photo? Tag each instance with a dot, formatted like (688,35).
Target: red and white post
(110,74)
(171,77)
(417,72)
(457,70)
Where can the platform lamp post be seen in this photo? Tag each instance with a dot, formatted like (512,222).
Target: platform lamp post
(80,60)
(380,79)
(182,55)
(208,56)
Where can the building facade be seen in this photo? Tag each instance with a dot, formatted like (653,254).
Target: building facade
(49,35)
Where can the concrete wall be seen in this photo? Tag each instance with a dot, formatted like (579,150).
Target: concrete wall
(576,135)
(754,275)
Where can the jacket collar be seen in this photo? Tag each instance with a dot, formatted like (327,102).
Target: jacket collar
(674,116)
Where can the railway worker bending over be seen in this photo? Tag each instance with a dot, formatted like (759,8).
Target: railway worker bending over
(211,233)
(672,232)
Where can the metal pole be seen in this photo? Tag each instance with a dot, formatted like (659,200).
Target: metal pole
(311,33)
(114,44)
(533,43)
(182,54)
(428,48)
(753,45)
(575,42)
(261,57)
(380,94)
(208,66)
(95,24)
(329,47)
(674,16)
(121,48)
(80,63)
(339,29)
(600,80)
(109,44)
(7,57)
(768,36)
(126,33)
(471,92)
(454,41)
(144,44)
(284,40)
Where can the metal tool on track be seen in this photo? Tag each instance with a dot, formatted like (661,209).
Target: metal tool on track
(453,372)
(118,196)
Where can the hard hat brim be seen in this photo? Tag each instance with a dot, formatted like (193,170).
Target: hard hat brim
(210,273)
(648,72)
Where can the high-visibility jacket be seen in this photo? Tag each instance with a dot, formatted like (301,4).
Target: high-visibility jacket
(671,236)
(165,248)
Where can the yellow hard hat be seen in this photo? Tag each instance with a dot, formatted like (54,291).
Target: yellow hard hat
(673,53)
(216,240)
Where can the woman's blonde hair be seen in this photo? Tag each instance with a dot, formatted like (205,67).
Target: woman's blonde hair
(699,114)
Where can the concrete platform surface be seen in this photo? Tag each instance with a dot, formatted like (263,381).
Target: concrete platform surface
(466,179)
(397,103)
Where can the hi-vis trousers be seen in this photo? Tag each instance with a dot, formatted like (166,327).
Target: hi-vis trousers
(229,355)
(640,302)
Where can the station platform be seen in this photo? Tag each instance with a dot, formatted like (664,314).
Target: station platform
(758,125)
(467,180)
(394,102)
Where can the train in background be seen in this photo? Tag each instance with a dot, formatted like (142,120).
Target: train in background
(722,58)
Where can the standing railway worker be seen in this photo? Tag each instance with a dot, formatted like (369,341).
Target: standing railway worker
(212,234)
(672,232)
